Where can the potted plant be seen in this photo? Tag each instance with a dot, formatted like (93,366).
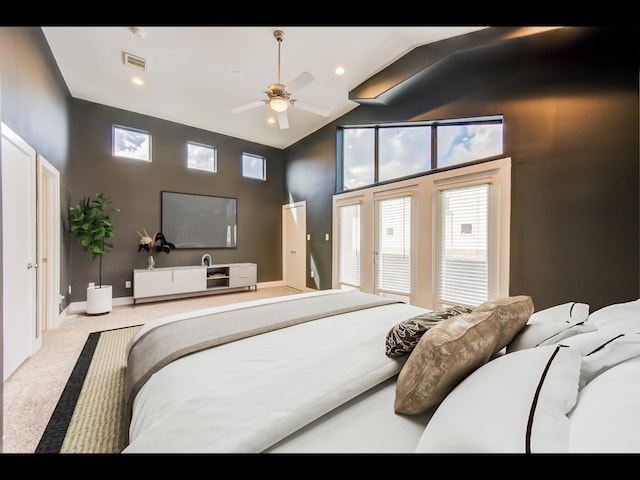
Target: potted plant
(157,244)
(90,221)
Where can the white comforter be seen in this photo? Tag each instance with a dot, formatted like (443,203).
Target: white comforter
(246,396)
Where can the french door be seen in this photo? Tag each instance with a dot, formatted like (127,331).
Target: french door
(433,241)
(463,265)
(349,245)
(393,246)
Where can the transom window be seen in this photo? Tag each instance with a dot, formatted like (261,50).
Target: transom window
(202,157)
(131,143)
(380,153)
(254,166)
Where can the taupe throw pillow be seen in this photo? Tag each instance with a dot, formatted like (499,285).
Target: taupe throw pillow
(403,337)
(455,347)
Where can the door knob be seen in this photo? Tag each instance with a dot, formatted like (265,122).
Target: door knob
(31,265)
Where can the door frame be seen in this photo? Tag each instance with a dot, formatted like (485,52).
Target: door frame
(48,246)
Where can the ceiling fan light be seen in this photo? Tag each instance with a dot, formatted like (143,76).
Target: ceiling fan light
(278,104)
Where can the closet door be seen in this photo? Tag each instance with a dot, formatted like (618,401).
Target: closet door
(294,251)
(19,251)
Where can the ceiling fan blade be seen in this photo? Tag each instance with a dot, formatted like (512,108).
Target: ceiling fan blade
(302,80)
(248,106)
(283,120)
(309,107)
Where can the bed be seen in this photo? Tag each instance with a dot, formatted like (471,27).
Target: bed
(338,371)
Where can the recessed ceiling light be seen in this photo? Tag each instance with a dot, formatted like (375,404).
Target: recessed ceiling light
(271,120)
(339,70)
(138,32)
(137,81)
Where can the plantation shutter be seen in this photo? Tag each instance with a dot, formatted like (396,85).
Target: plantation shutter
(463,247)
(349,245)
(393,268)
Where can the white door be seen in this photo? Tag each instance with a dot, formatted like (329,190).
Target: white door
(19,251)
(294,246)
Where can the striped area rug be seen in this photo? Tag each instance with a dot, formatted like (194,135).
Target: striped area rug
(89,415)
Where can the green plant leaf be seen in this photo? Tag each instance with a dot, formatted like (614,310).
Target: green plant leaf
(89,221)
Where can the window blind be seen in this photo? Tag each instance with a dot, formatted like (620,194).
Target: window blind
(349,245)
(463,251)
(393,267)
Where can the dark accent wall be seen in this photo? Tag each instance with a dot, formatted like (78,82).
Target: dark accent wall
(571,125)
(35,106)
(134,186)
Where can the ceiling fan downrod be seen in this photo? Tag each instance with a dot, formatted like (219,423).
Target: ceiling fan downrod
(279,34)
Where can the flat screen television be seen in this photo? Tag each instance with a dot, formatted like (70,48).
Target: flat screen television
(199,221)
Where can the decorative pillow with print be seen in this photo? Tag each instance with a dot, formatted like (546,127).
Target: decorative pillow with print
(404,336)
(454,348)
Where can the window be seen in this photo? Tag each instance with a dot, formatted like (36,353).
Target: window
(464,143)
(254,166)
(349,245)
(403,151)
(131,143)
(202,157)
(382,153)
(358,157)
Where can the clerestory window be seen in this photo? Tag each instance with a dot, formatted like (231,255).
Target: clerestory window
(374,154)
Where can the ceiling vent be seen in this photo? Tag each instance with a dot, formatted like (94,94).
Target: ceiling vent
(134,62)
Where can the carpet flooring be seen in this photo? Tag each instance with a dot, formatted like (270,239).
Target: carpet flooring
(88,417)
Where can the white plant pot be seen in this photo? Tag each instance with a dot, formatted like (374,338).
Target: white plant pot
(99,299)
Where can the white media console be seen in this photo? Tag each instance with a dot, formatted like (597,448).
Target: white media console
(176,282)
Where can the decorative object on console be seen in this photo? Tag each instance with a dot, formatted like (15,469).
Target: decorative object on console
(156,244)
(90,221)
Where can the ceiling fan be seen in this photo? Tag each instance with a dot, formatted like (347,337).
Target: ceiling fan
(279,95)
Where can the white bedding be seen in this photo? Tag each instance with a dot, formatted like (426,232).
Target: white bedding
(326,386)
(366,424)
(245,396)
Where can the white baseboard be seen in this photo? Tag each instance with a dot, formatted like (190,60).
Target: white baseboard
(62,316)
(81,307)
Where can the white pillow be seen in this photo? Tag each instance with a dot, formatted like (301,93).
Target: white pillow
(541,334)
(606,418)
(621,317)
(570,312)
(490,410)
(602,350)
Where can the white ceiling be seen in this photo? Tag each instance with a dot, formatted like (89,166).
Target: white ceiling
(189,76)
